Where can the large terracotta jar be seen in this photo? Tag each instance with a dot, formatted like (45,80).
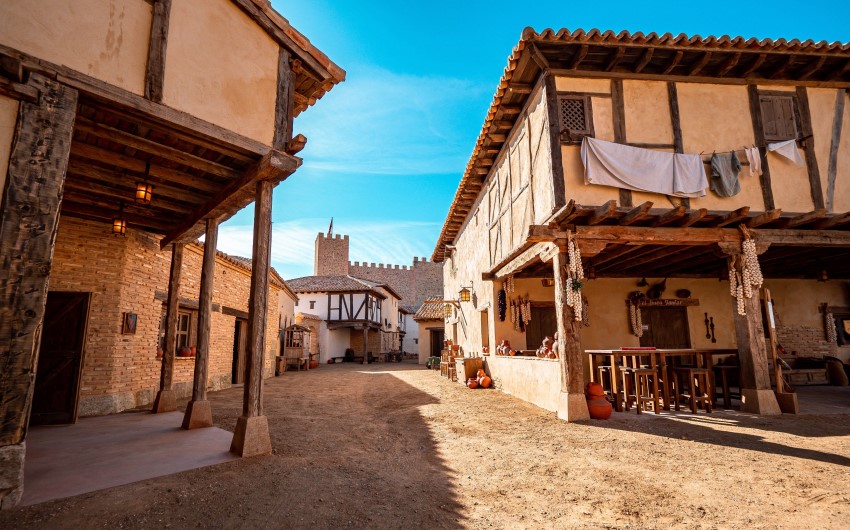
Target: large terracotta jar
(598,407)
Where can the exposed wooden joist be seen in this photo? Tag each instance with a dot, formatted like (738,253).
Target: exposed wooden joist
(636,214)
(20,91)
(121,193)
(674,62)
(699,64)
(638,235)
(600,214)
(644,60)
(806,218)
(155,70)
(275,166)
(812,69)
(519,88)
(834,222)
(143,144)
(780,72)
(616,57)
(728,64)
(693,217)
(732,217)
(764,218)
(756,64)
(670,216)
(579,56)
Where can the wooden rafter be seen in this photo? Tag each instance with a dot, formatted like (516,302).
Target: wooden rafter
(764,218)
(733,217)
(644,60)
(693,217)
(670,216)
(616,57)
(636,214)
(729,64)
(756,64)
(813,69)
(606,211)
(677,58)
(698,66)
(806,218)
(580,54)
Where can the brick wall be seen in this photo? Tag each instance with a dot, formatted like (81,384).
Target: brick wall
(120,371)
(356,341)
(805,340)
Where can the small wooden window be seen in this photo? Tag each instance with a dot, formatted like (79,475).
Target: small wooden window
(576,118)
(778,117)
(184,326)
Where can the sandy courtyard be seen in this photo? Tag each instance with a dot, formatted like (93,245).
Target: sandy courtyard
(397,446)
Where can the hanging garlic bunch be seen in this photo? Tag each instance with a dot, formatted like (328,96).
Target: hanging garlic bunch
(527,310)
(829,324)
(510,284)
(742,282)
(575,275)
(637,322)
(513,312)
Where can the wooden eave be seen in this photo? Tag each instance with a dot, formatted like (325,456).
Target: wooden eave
(624,55)
(800,245)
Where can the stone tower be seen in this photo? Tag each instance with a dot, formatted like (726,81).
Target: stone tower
(331,258)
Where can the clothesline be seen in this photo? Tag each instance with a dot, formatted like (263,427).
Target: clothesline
(703,153)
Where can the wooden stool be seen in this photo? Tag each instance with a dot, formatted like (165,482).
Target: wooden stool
(724,372)
(699,380)
(640,385)
(452,370)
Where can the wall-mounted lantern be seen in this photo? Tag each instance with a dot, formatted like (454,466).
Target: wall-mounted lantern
(119,224)
(144,190)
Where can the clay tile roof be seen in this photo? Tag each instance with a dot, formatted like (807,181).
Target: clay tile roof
(334,284)
(409,309)
(308,316)
(625,52)
(431,309)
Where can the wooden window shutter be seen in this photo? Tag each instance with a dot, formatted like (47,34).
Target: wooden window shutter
(778,117)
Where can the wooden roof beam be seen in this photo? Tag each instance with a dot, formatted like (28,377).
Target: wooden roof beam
(274,166)
(641,235)
(780,72)
(806,218)
(677,58)
(579,56)
(813,69)
(729,64)
(733,217)
(616,57)
(763,219)
(670,216)
(700,64)
(606,211)
(693,217)
(834,222)
(762,57)
(520,89)
(636,214)
(644,60)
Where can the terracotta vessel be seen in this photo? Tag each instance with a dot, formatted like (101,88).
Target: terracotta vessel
(484,381)
(185,352)
(159,354)
(592,390)
(599,408)
(472,383)
(314,364)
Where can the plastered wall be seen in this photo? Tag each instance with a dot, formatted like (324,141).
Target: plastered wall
(713,118)
(8,122)
(221,67)
(105,39)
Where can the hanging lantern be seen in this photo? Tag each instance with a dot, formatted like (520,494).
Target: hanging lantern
(448,310)
(465,294)
(119,224)
(144,190)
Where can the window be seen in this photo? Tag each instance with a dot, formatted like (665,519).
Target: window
(312,304)
(778,114)
(184,326)
(576,117)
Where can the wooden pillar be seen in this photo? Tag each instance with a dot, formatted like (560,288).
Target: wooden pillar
(155,70)
(198,411)
(28,224)
(365,345)
(572,405)
(757,396)
(251,436)
(166,399)
(287,71)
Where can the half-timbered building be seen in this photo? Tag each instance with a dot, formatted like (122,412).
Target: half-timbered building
(136,126)
(585,144)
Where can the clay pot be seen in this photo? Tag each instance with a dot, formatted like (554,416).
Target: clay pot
(511,352)
(592,390)
(485,381)
(553,355)
(485,349)
(185,352)
(599,408)
(472,383)
(314,364)
(193,350)
(481,373)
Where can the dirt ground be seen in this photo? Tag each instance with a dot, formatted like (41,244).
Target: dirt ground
(397,446)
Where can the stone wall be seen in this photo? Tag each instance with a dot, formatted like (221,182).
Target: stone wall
(331,255)
(125,275)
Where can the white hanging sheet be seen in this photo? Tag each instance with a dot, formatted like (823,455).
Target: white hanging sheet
(788,149)
(634,168)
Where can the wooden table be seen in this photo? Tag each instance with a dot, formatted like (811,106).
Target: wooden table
(658,360)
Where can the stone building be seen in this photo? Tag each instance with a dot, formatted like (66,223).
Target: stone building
(559,175)
(129,129)
(415,283)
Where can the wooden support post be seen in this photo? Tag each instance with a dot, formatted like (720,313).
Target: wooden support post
(572,405)
(166,399)
(155,71)
(251,436)
(756,395)
(285,104)
(198,411)
(28,224)
(365,345)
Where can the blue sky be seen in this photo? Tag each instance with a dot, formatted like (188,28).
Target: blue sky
(387,147)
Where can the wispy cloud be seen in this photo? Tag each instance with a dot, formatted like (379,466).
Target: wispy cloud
(395,242)
(388,123)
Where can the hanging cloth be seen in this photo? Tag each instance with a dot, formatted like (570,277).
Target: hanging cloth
(754,159)
(788,149)
(724,174)
(634,168)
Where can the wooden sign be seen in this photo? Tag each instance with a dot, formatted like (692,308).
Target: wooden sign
(666,302)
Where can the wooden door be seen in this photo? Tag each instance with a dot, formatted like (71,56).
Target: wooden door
(543,323)
(437,338)
(667,327)
(60,359)
(240,345)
